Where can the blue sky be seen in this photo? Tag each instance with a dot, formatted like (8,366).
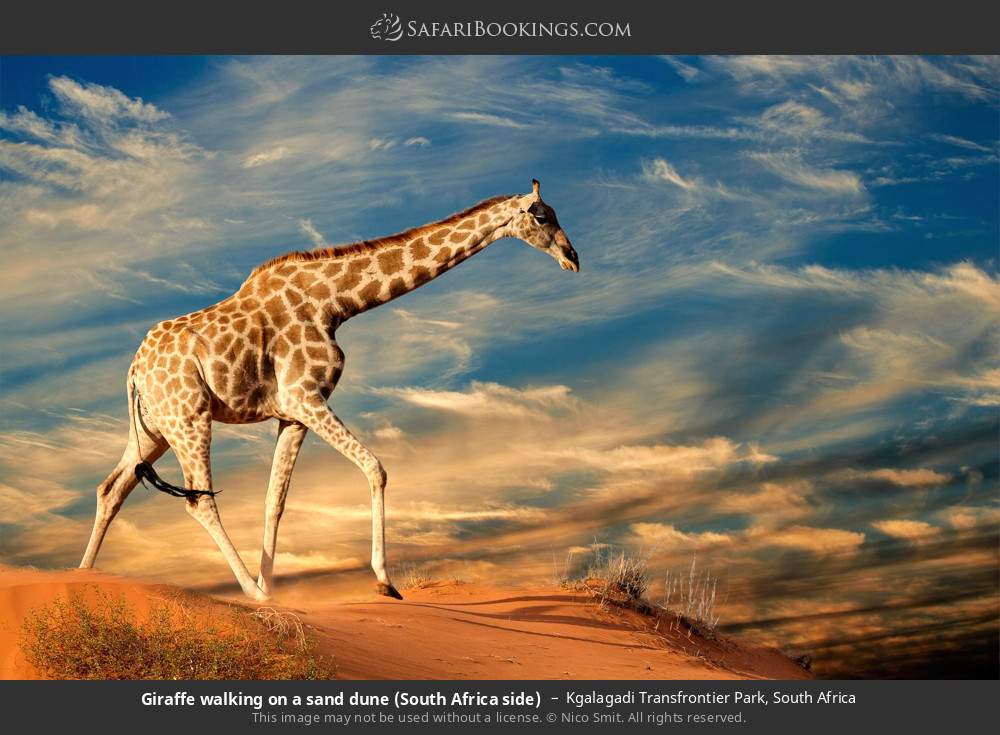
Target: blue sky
(779,355)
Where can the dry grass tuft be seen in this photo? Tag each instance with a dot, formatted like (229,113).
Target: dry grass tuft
(622,578)
(104,638)
(285,626)
(413,577)
(692,596)
(624,575)
(410,576)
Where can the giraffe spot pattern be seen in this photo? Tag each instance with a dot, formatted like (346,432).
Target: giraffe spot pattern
(370,292)
(397,287)
(419,249)
(277,311)
(421,275)
(311,334)
(391,261)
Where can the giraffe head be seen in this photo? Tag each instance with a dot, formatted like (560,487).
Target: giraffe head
(537,225)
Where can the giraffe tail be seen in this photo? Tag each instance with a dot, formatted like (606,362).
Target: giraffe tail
(144,470)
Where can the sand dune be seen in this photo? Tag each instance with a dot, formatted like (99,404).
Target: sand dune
(22,590)
(447,631)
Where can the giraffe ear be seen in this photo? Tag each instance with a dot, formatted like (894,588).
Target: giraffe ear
(534,187)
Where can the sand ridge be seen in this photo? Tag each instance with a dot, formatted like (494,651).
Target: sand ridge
(445,631)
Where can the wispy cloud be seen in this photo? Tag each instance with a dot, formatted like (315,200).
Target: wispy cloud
(314,235)
(490,399)
(264,157)
(486,118)
(821,540)
(906,529)
(794,170)
(688,72)
(910,478)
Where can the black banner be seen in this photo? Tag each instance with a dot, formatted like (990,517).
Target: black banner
(689,706)
(451,27)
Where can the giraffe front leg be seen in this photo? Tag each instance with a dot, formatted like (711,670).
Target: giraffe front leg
(317,416)
(290,437)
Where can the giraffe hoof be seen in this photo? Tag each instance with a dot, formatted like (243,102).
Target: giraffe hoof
(388,590)
(257,595)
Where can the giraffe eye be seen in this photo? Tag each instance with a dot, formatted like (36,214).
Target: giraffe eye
(538,212)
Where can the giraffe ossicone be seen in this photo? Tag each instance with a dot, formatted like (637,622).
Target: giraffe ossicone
(269,352)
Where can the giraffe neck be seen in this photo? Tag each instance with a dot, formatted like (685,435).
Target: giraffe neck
(325,287)
(385,269)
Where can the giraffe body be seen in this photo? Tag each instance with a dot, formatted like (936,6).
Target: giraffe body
(269,352)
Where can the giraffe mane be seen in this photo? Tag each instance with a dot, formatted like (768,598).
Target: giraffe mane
(364,246)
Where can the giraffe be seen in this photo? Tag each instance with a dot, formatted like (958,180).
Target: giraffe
(269,352)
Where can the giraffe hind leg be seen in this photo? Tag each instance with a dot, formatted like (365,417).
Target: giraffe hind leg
(193,451)
(111,493)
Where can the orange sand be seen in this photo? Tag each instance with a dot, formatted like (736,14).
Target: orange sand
(448,631)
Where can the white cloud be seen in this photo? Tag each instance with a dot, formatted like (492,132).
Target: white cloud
(806,538)
(793,169)
(490,399)
(962,143)
(677,460)
(922,332)
(389,432)
(108,182)
(486,118)
(793,119)
(859,78)
(961,280)
(910,478)
(687,72)
(665,538)
(103,104)
(906,529)
(33,499)
(771,505)
(965,517)
(314,235)
(261,158)
(661,170)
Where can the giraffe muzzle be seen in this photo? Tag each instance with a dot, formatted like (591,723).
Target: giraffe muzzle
(569,260)
(565,254)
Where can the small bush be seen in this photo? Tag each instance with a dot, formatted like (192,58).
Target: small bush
(71,639)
